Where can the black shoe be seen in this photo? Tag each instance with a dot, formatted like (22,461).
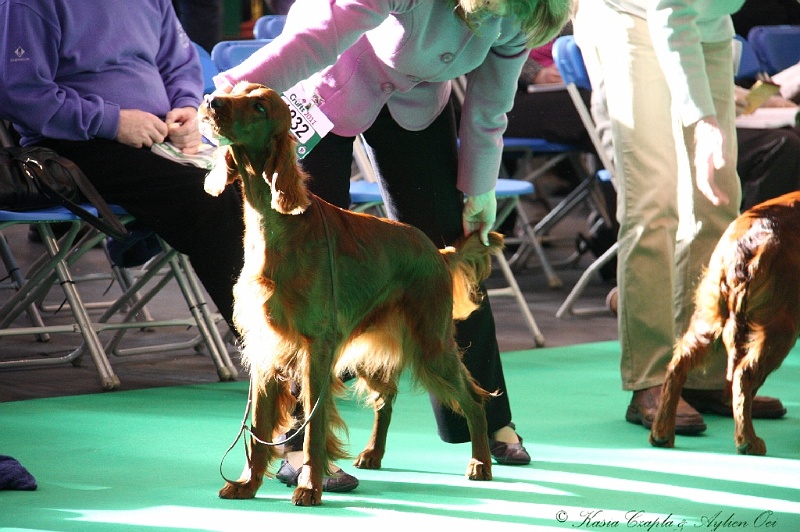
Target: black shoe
(340,482)
(509,453)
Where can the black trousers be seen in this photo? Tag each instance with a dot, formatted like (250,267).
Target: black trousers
(769,163)
(169,199)
(417,174)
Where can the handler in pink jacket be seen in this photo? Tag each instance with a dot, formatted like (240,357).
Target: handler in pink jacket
(383,69)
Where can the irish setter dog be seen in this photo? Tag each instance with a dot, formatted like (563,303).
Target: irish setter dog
(749,299)
(326,291)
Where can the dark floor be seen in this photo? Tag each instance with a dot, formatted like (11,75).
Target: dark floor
(188,366)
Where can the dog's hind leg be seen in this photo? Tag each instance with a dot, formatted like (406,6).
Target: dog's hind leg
(762,358)
(446,377)
(259,456)
(690,351)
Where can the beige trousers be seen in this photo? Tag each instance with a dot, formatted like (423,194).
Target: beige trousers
(668,229)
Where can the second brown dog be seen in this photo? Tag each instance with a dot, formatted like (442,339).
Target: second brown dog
(749,299)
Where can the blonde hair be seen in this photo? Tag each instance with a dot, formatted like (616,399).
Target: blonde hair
(541,20)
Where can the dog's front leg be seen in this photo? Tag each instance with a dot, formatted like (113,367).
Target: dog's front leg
(259,456)
(309,483)
(372,455)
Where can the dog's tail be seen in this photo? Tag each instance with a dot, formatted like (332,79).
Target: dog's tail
(470,263)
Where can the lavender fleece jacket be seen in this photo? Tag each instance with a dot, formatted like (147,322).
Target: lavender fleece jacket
(68,66)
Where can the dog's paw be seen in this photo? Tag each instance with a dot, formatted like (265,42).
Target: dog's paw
(307,497)
(216,180)
(755,447)
(477,470)
(661,439)
(238,490)
(368,459)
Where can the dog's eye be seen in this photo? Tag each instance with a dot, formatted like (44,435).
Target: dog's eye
(260,107)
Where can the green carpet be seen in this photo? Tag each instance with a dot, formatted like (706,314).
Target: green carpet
(149,460)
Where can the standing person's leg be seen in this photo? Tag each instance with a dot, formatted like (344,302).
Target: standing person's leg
(705,389)
(417,171)
(169,199)
(706,222)
(638,102)
(638,105)
(329,166)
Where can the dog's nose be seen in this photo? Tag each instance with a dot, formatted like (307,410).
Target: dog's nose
(211,101)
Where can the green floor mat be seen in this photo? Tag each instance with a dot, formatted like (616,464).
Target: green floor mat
(149,460)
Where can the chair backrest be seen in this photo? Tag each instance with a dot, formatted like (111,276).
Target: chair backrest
(749,65)
(228,54)
(269,26)
(777,47)
(209,68)
(569,61)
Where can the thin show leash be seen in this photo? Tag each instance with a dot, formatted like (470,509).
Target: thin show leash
(244,427)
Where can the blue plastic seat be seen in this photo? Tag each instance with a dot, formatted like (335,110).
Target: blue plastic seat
(777,47)
(228,54)
(269,26)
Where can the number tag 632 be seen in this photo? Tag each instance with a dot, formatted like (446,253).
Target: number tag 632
(309,123)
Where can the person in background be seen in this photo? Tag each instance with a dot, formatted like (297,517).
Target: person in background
(201,19)
(383,70)
(666,68)
(69,88)
(543,109)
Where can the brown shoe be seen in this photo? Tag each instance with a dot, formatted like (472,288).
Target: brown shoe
(717,402)
(612,300)
(644,405)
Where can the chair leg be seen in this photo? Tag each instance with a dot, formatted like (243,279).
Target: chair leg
(513,290)
(532,240)
(108,379)
(18,280)
(568,306)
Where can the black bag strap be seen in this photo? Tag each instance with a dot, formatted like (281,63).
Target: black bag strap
(108,222)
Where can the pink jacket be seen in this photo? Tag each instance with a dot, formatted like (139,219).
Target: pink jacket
(356,56)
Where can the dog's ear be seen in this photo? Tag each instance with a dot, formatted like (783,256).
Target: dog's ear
(223,172)
(289,194)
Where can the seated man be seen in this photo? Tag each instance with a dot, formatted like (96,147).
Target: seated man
(100,82)
(769,158)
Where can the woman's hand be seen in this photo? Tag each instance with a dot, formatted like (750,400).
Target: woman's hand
(479,214)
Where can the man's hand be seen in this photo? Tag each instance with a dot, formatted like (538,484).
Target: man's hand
(547,75)
(140,129)
(479,214)
(709,156)
(184,132)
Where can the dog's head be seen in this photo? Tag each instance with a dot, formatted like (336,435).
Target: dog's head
(251,125)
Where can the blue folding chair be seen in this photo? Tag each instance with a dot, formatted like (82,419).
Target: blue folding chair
(54,269)
(750,67)
(269,26)
(569,61)
(228,54)
(777,47)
